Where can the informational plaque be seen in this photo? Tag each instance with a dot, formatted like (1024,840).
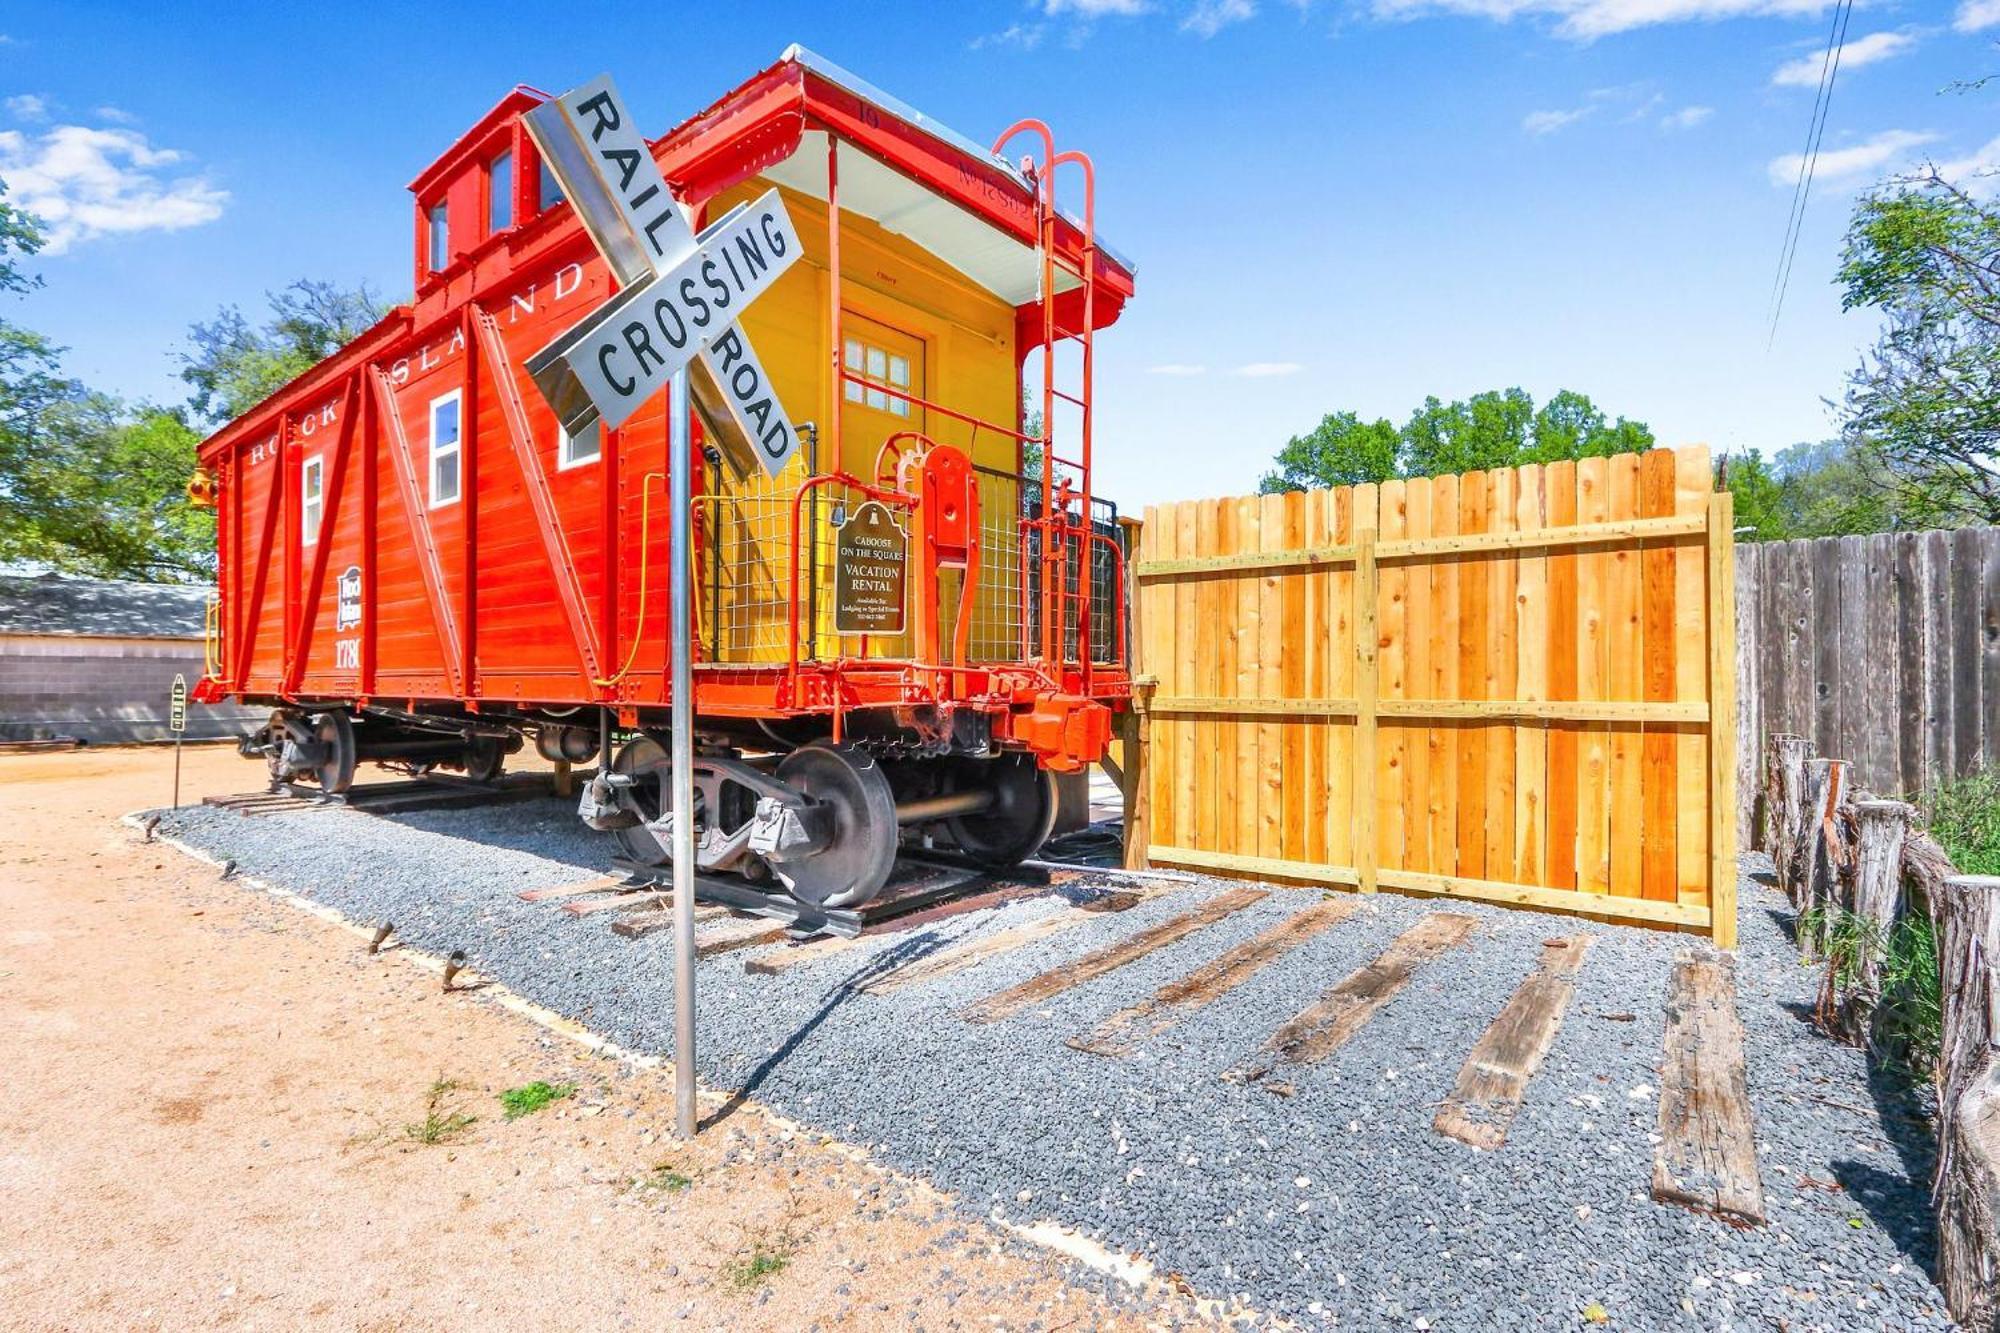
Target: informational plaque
(872,555)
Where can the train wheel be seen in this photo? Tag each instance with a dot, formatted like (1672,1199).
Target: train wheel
(1015,826)
(336,732)
(485,756)
(647,760)
(856,861)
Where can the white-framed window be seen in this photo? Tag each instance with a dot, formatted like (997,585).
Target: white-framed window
(312,498)
(500,193)
(577,450)
(881,365)
(446,447)
(438,232)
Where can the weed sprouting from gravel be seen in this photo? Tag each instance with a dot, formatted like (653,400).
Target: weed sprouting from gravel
(765,1258)
(664,1176)
(443,1120)
(532,1097)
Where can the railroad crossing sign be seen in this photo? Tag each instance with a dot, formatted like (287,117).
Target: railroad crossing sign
(680,293)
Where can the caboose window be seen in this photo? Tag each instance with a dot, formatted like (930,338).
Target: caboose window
(882,366)
(440,237)
(549,193)
(312,501)
(445,449)
(576,450)
(500,194)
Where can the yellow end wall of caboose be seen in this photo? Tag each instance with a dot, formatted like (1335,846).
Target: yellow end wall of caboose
(968,340)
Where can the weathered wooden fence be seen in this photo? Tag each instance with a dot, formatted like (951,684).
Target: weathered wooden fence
(1882,649)
(1494,686)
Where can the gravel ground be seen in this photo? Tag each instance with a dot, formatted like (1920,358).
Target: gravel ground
(1339,1204)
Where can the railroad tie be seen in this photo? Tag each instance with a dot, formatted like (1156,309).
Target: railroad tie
(1326,1025)
(1707,1154)
(1494,1078)
(1110,957)
(1124,1030)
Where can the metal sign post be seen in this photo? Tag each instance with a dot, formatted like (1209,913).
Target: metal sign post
(177,722)
(680,491)
(673,318)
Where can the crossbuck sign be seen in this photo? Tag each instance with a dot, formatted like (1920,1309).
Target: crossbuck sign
(680,293)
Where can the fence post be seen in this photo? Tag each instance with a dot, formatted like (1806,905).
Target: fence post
(1879,829)
(1367,643)
(1137,729)
(1966,1192)
(1722,739)
(1815,856)
(1785,788)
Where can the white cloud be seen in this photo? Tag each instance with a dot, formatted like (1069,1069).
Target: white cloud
(28,106)
(1976,14)
(1094,9)
(1805,71)
(1264,370)
(1025,36)
(115,115)
(1208,17)
(1177,369)
(85,183)
(1585,19)
(1539,123)
(1870,155)
(1686,118)
(1978,173)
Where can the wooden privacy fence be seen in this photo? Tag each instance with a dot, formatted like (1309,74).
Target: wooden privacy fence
(1884,649)
(1515,686)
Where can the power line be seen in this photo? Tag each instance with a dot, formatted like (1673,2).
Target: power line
(1836,44)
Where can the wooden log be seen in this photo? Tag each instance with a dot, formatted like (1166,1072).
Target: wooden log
(1707,1154)
(1495,1076)
(1879,830)
(1111,957)
(1966,1191)
(1784,784)
(1817,855)
(797,954)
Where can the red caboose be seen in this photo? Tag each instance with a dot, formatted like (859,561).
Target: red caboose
(912,627)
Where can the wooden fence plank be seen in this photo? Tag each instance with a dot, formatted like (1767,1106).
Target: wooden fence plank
(1296,634)
(1248,632)
(1159,660)
(1320,634)
(1627,681)
(1559,487)
(1502,667)
(1694,484)
(1912,701)
(1186,666)
(1341,679)
(1937,593)
(1494,1078)
(1443,652)
(1593,779)
(1475,602)
(1271,628)
(1420,823)
(1722,805)
(1987,544)
(1531,744)
(1210,636)
(1659,868)
(1826,660)
(1367,842)
(1109,958)
(1385,783)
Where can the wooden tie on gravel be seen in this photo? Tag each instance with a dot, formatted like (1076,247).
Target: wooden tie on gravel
(1110,958)
(1325,1026)
(1495,1076)
(1707,1156)
(1124,1030)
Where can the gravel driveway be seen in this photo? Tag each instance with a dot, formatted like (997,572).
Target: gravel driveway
(1339,1203)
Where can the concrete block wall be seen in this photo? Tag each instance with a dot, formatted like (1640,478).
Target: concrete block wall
(104,690)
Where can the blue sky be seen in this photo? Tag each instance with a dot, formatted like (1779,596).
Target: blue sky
(1345,204)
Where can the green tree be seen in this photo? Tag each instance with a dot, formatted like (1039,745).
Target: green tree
(1343,450)
(233,365)
(1759,495)
(1925,401)
(1499,428)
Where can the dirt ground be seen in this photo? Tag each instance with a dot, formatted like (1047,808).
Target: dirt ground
(216,1107)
